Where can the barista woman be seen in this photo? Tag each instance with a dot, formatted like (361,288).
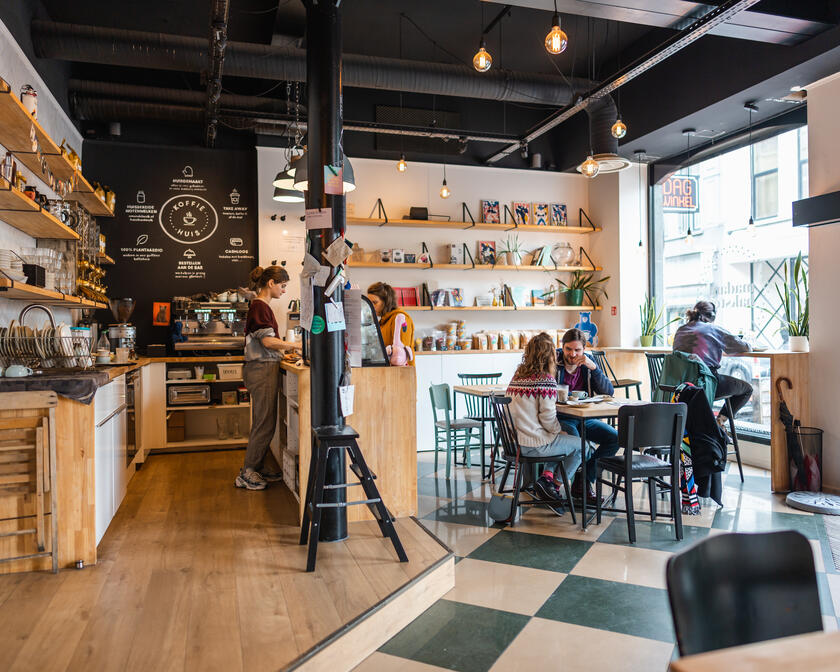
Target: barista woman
(384,302)
(263,352)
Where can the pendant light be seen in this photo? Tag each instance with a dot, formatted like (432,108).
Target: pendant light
(482,60)
(302,175)
(590,167)
(556,41)
(401,164)
(444,190)
(688,132)
(751,107)
(619,128)
(639,154)
(287,195)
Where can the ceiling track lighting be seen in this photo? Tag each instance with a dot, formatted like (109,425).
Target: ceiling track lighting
(401,164)
(556,41)
(751,107)
(444,190)
(482,59)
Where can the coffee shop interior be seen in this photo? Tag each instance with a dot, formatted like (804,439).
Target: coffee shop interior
(456,334)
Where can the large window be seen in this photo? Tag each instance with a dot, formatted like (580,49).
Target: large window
(725,260)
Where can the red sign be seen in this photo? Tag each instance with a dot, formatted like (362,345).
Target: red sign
(681,193)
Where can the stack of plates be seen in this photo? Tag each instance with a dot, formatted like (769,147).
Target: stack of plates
(51,346)
(12,265)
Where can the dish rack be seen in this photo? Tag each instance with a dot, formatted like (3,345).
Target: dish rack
(46,347)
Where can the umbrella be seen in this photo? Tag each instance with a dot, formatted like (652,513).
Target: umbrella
(794,445)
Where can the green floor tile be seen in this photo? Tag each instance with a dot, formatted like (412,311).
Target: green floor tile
(538,551)
(749,520)
(457,636)
(826,604)
(656,536)
(759,484)
(607,605)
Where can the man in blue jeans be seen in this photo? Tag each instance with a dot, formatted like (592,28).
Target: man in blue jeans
(580,373)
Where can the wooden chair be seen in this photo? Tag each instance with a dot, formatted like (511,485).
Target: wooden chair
(600,358)
(454,433)
(27,466)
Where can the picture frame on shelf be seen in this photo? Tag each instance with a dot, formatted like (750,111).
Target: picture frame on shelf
(541,214)
(410,258)
(484,300)
(487,252)
(406,296)
(559,215)
(490,212)
(397,256)
(424,258)
(521,213)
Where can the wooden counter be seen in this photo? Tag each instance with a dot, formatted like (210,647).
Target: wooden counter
(631,363)
(384,416)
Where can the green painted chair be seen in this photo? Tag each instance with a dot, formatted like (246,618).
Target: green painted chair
(452,432)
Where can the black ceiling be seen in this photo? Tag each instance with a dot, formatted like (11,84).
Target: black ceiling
(772,46)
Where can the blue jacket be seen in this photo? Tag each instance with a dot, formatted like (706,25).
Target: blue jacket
(594,381)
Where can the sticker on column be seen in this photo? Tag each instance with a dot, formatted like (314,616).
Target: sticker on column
(335,316)
(346,397)
(318,218)
(334,180)
(317,324)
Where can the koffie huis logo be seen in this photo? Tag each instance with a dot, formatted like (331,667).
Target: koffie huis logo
(188,219)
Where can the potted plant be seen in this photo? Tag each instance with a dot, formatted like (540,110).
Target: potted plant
(513,250)
(582,284)
(794,306)
(650,320)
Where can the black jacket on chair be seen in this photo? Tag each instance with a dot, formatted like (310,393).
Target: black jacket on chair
(705,436)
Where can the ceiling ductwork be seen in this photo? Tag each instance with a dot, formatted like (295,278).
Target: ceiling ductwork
(132,48)
(603,145)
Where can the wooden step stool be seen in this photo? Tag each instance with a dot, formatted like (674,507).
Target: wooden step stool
(27,466)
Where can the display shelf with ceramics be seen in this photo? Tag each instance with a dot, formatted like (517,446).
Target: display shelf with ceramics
(14,289)
(486,226)
(24,214)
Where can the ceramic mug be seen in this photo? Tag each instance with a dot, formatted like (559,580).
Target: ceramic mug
(121,355)
(18,371)
(578,394)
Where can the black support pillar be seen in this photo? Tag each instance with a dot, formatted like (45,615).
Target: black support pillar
(323,81)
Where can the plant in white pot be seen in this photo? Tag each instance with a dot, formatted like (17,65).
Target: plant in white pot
(512,249)
(650,320)
(794,306)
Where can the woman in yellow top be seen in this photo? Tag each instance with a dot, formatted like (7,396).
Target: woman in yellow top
(384,302)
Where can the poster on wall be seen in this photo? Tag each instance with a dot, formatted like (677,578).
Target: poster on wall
(185,223)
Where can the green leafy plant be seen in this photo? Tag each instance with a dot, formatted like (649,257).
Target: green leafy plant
(513,248)
(586,283)
(794,302)
(650,317)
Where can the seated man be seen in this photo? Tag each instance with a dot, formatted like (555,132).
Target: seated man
(580,373)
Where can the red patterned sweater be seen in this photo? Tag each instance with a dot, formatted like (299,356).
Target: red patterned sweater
(533,409)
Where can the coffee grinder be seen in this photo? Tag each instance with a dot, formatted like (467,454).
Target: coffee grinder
(122,334)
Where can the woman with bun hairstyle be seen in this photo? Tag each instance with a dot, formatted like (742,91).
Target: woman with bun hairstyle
(263,352)
(384,301)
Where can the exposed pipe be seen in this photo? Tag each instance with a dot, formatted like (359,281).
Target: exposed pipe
(134,48)
(602,115)
(671,46)
(218,45)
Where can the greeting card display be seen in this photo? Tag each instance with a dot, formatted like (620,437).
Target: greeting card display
(487,251)
(541,214)
(558,214)
(490,212)
(522,213)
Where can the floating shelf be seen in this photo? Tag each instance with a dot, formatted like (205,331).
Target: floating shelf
(11,289)
(24,214)
(471,351)
(104,259)
(432,224)
(470,267)
(15,127)
(498,308)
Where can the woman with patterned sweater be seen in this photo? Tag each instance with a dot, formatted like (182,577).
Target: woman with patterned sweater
(533,395)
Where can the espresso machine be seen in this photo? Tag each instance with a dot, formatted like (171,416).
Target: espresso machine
(210,327)
(122,334)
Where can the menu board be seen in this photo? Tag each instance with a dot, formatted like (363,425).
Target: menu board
(185,222)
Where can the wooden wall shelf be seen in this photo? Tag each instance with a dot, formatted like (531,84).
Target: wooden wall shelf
(104,259)
(11,289)
(499,308)
(479,226)
(24,214)
(83,194)
(470,267)
(471,351)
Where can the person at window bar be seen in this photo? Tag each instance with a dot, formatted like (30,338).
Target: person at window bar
(701,337)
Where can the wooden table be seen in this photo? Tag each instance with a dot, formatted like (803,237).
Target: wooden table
(483,392)
(814,652)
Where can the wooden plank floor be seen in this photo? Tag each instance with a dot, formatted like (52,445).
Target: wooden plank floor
(195,574)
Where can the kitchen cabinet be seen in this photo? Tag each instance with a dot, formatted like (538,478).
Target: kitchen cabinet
(110,450)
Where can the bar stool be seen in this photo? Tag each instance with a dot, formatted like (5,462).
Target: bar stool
(625,383)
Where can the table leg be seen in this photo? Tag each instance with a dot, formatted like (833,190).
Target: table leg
(584,482)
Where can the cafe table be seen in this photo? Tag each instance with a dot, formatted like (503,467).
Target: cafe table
(814,652)
(483,392)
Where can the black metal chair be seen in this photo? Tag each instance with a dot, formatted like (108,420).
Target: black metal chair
(735,589)
(655,361)
(639,427)
(511,454)
(478,408)
(624,383)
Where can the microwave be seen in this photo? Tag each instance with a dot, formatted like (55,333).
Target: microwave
(182,395)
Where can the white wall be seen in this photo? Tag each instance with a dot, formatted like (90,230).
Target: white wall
(824,249)
(16,70)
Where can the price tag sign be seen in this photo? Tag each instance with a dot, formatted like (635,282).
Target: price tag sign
(318,218)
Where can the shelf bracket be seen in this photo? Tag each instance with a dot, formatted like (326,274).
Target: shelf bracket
(465,211)
(379,209)
(508,296)
(584,254)
(581,216)
(507,212)
(467,254)
(426,298)
(425,249)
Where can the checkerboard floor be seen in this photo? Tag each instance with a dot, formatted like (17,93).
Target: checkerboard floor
(544,592)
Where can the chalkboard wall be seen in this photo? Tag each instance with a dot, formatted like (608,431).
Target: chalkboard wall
(185,222)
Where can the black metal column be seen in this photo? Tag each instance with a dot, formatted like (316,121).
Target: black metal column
(323,81)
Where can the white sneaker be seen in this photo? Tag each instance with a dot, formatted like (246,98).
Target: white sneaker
(249,479)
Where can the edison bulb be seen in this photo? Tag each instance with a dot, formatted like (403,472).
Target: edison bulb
(482,60)
(590,167)
(689,239)
(619,129)
(556,40)
(401,164)
(444,190)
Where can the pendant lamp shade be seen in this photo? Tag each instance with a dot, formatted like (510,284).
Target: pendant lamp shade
(287,195)
(302,175)
(285,180)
